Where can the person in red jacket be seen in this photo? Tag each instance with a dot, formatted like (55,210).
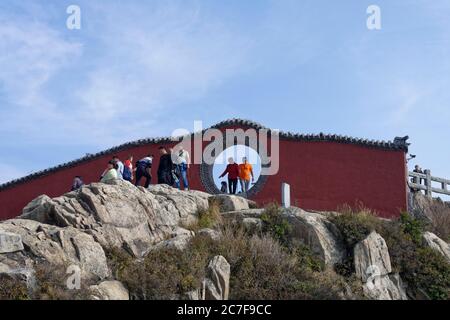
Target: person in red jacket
(233,174)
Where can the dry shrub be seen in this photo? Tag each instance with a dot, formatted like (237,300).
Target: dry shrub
(440,223)
(162,275)
(208,218)
(261,268)
(51,284)
(12,288)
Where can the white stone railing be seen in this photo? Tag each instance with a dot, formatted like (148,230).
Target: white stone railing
(424,181)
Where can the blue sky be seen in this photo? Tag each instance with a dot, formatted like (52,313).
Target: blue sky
(143,68)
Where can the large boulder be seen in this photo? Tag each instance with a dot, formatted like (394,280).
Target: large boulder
(436,243)
(55,246)
(315,230)
(109,290)
(120,215)
(229,203)
(372,252)
(373,267)
(216,285)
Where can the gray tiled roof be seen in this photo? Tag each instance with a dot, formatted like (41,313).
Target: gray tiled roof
(397,144)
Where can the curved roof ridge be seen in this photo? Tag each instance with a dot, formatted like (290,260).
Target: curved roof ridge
(399,143)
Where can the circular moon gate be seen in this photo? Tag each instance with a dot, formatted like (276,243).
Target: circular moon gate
(207,177)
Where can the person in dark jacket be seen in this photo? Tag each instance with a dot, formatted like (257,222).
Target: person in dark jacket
(165,168)
(144,170)
(233,174)
(77,183)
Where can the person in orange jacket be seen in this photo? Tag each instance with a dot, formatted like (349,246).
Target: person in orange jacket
(245,175)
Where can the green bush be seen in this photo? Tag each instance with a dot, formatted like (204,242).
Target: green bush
(420,267)
(355,226)
(208,218)
(412,227)
(275,224)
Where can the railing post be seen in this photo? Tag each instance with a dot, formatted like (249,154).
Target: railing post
(428,192)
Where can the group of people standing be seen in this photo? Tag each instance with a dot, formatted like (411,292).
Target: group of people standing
(172,169)
(238,172)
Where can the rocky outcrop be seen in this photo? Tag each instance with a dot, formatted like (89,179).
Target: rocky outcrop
(216,286)
(229,203)
(314,230)
(109,290)
(436,243)
(119,214)
(373,267)
(55,246)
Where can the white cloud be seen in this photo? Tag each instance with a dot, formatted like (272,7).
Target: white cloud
(150,64)
(134,68)
(30,54)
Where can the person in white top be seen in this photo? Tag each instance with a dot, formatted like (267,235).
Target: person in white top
(182,161)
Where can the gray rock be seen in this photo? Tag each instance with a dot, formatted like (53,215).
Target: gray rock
(314,230)
(10,242)
(58,246)
(252,224)
(180,240)
(385,287)
(109,290)
(39,209)
(371,253)
(119,215)
(216,286)
(229,203)
(210,233)
(242,214)
(436,243)
(373,267)
(19,268)
(194,295)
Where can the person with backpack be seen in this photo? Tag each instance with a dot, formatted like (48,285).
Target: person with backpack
(144,170)
(232,170)
(128,169)
(77,183)
(120,166)
(165,168)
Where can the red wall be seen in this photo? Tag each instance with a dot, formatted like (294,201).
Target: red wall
(322,175)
